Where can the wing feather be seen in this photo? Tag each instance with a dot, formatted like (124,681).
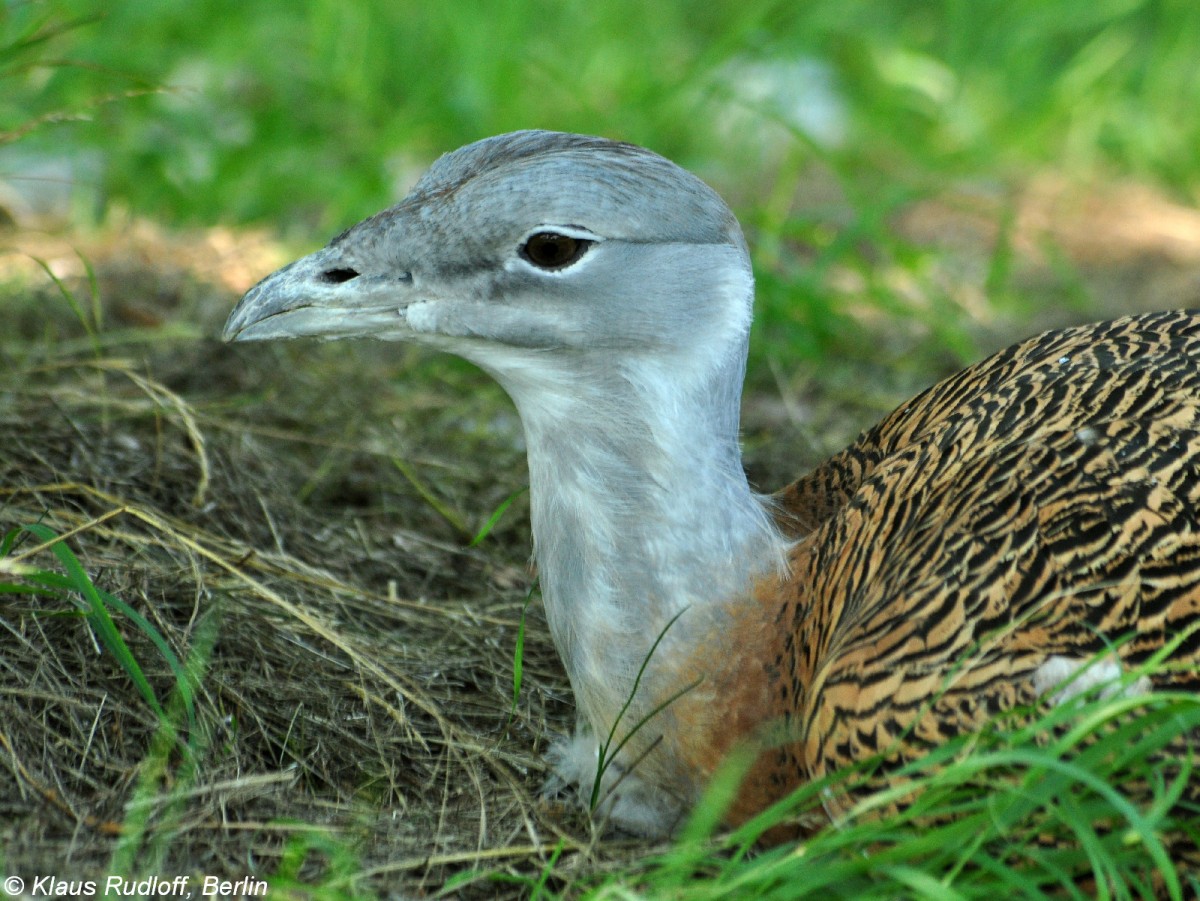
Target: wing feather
(1041,503)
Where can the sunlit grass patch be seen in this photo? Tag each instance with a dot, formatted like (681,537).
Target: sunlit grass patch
(1090,813)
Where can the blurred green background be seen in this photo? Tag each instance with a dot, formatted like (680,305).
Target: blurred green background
(821,121)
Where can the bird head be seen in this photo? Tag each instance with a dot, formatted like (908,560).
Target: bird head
(529,249)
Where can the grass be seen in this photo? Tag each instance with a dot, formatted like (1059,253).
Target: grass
(606,753)
(366,707)
(927,90)
(823,124)
(95,605)
(992,809)
(1082,799)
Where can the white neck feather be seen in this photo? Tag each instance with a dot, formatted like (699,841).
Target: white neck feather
(641,512)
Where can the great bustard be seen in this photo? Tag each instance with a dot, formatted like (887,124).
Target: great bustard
(968,555)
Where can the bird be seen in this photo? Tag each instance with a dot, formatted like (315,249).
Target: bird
(1014,535)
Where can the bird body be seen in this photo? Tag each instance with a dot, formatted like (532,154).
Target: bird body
(996,533)
(969,555)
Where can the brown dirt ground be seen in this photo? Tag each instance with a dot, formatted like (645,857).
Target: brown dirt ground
(294,519)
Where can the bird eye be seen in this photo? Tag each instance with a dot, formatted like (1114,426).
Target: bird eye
(337,276)
(551,250)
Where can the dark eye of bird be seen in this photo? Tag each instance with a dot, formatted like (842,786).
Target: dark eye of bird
(337,276)
(550,250)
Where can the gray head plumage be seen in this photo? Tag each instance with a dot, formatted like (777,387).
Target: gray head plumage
(622,189)
(444,265)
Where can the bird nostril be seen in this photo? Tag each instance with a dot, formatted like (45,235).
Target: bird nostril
(337,276)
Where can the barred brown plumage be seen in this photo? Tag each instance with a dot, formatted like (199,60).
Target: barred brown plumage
(1041,503)
(974,553)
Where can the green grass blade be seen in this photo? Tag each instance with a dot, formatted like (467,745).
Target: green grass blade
(429,497)
(495,517)
(519,657)
(97,614)
(605,757)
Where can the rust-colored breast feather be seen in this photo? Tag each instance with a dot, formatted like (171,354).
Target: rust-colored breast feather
(1043,502)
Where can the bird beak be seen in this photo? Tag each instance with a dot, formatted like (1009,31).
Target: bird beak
(321,296)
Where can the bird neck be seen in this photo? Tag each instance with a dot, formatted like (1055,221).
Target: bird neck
(644,524)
